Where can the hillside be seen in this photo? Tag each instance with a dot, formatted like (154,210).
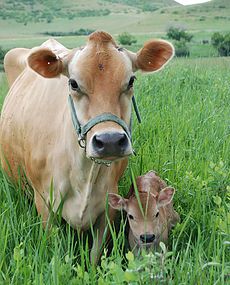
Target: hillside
(32,17)
(27,22)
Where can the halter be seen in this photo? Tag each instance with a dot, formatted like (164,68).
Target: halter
(82,130)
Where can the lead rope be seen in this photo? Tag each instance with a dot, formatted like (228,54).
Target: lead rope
(136,109)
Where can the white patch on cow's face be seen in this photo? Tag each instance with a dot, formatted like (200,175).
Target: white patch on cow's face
(103,88)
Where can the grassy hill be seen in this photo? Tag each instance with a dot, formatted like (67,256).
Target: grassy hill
(24,23)
(30,18)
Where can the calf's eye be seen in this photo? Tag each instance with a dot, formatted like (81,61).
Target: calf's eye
(131,217)
(73,84)
(157,214)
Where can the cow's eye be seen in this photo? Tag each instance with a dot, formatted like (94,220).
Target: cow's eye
(131,217)
(157,214)
(73,84)
(131,81)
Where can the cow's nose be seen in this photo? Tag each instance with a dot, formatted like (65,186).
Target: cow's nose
(110,144)
(147,238)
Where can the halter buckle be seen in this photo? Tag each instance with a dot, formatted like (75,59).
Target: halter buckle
(81,141)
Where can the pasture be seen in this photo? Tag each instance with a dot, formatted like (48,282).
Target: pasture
(184,136)
(25,30)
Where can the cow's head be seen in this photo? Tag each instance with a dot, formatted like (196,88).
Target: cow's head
(101,77)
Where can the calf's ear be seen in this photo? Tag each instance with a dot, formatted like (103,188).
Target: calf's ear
(46,63)
(165,196)
(116,201)
(153,56)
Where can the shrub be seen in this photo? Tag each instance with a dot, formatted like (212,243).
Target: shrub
(181,49)
(126,39)
(177,33)
(2,54)
(80,32)
(180,37)
(221,43)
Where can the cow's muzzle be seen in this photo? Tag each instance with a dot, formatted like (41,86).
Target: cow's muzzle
(111,145)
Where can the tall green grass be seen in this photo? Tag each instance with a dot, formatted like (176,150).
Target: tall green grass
(184,136)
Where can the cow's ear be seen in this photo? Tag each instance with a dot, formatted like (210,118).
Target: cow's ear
(116,201)
(46,63)
(153,56)
(165,196)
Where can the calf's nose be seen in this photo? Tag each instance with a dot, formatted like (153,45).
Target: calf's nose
(147,238)
(110,144)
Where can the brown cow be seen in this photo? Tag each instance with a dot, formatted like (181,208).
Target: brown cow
(151,218)
(40,130)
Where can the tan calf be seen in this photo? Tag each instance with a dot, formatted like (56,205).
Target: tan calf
(151,218)
(37,133)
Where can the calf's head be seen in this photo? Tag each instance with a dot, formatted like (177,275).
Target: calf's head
(148,224)
(101,79)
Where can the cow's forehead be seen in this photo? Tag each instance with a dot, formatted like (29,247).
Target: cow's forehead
(102,61)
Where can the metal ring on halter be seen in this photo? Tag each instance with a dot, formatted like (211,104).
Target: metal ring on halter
(81,141)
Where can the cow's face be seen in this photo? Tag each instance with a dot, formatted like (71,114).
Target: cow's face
(148,224)
(101,81)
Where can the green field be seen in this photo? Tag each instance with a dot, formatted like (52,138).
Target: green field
(23,29)
(185,138)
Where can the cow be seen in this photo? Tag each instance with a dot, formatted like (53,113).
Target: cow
(66,122)
(150,212)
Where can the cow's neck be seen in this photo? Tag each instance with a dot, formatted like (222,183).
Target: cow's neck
(88,182)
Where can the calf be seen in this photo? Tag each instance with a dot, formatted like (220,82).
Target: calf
(151,215)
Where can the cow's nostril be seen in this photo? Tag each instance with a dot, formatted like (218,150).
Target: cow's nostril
(147,238)
(98,143)
(123,141)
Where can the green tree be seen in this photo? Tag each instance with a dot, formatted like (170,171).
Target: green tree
(181,38)
(221,43)
(178,34)
(181,48)
(126,39)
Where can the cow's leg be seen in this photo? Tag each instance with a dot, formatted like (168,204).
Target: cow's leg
(42,208)
(101,234)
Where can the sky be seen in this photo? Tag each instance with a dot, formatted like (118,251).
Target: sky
(190,2)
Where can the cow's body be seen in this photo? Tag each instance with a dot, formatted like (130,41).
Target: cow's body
(37,133)
(44,144)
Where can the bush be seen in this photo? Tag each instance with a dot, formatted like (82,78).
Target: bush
(126,39)
(221,43)
(180,37)
(177,33)
(80,32)
(2,54)
(181,49)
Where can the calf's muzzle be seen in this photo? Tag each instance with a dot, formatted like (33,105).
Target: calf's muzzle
(147,238)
